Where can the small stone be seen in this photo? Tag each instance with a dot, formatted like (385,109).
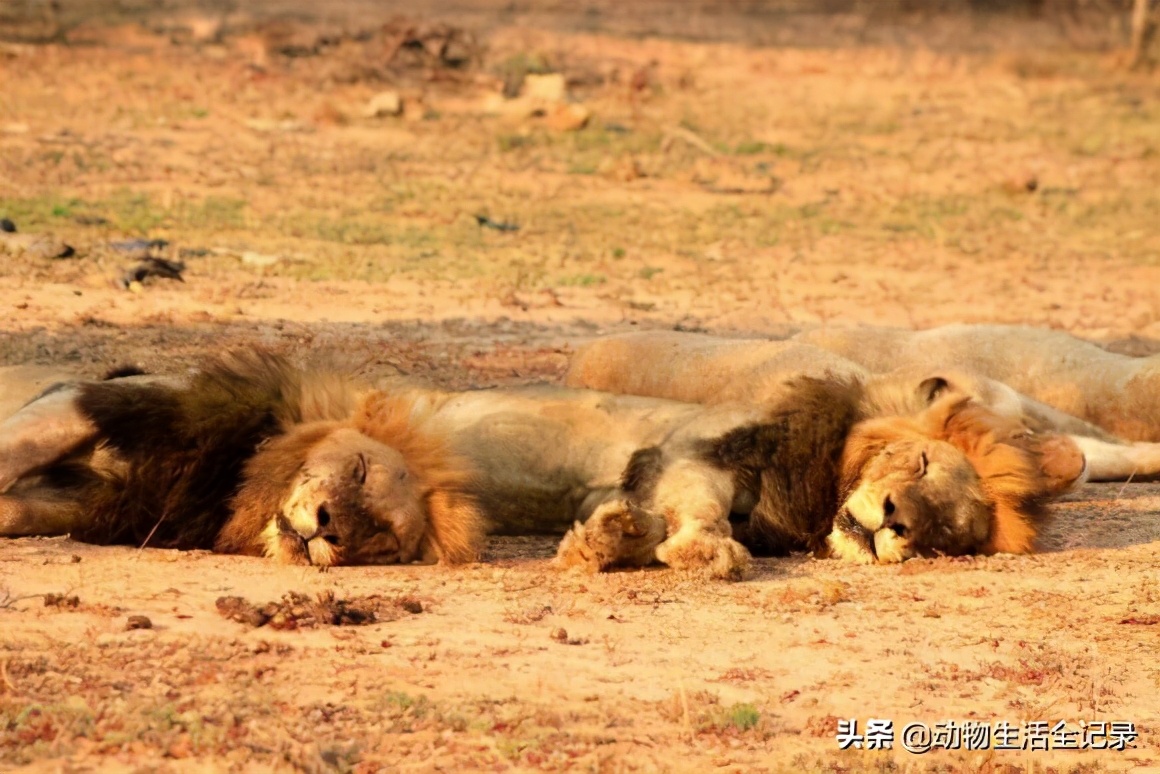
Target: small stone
(568,118)
(138,622)
(251,258)
(560,634)
(550,87)
(385,103)
(1021,183)
(40,246)
(412,606)
(7,226)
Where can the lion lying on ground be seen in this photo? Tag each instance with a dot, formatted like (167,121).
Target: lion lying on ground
(142,459)
(824,467)
(707,369)
(248,455)
(1118,393)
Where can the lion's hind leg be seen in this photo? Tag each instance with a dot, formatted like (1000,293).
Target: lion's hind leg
(615,535)
(43,432)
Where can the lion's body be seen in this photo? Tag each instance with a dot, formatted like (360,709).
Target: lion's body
(548,457)
(1118,393)
(210,460)
(658,479)
(903,371)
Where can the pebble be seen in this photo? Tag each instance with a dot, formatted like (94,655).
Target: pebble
(385,103)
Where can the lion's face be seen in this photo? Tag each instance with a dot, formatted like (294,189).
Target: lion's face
(353,501)
(921,496)
(958,479)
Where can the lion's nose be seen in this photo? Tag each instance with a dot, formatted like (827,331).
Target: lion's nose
(326,529)
(894,519)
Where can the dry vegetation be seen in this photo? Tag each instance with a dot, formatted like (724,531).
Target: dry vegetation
(714,185)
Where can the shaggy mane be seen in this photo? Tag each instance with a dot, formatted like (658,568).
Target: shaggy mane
(1019,471)
(456,528)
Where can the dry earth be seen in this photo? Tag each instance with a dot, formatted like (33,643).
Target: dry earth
(716,185)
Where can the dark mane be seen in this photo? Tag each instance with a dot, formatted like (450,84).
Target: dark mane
(792,461)
(181,450)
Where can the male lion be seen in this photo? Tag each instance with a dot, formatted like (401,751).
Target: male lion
(1003,469)
(248,455)
(820,468)
(926,365)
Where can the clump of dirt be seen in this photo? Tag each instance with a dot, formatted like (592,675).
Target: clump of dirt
(300,611)
(70,601)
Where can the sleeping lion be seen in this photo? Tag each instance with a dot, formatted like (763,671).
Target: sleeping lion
(827,467)
(247,455)
(251,456)
(1076,388)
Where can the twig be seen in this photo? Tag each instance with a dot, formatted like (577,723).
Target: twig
(1141,32)
(7,600)
(1125,486)
(685,708)
(693,139)
(4,676)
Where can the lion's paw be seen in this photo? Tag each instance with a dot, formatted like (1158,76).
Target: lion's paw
(575,551)
(611,536)
(853,546)
(718,556)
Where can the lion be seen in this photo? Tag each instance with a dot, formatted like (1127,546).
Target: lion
(1118,394)
(696,487)
(708,369)
(248,455)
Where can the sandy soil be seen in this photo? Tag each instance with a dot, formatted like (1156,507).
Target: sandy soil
(716,186)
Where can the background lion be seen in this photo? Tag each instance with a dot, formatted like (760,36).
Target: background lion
(248,455)
(1117,393)
(910,371)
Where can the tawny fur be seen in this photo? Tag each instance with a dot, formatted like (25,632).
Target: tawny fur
(209,461)
(455,526)
(1018,472)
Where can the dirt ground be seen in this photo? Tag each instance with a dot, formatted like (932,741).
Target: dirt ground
(734,186)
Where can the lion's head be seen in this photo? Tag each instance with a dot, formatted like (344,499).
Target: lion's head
(373,490)
(957,479)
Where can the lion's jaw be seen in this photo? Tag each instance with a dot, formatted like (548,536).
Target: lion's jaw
(354,501)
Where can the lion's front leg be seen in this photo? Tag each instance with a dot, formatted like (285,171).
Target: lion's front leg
(695,500)
(615,535)
(698,548)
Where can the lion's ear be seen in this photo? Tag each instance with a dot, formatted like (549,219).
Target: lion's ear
(930,390)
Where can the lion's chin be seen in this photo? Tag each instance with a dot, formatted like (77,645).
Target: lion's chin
(288,547)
